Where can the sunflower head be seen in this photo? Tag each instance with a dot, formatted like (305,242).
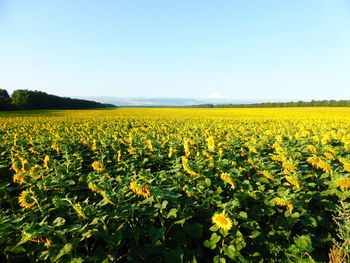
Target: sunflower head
(344,184)
(222,221)
(97,166)
(26,199)
(140,190)
(226,178)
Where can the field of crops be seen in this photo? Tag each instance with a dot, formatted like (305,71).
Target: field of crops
(172,185)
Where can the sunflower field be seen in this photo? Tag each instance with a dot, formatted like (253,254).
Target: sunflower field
(173,185)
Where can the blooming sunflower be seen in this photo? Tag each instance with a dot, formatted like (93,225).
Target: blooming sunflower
(222,221)
(140,190)
(186,167)
(293,181)
(97,166)
(211,144)
(343,183)
(19,178)
(285,203)
(267,175)
(289,166)
(26,199)
(226,177)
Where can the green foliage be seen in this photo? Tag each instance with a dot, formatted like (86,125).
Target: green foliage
(85,213)
(20,98)
(26,99)
(5,100)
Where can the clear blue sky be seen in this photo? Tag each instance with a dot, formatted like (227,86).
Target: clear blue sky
(293,49)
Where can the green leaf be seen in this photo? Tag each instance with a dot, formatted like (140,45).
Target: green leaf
(211,243)
(218,259)
(230,251)
(156,233)
(59,221)
(243,215)
(194,230)
(207,182)
(18,250)
(172,213)
(77,260)
(214,228)
(164,204)
(64,251)
(303,242)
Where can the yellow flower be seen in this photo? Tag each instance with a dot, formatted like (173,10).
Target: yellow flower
(252,149)
(187,146)
(343,183)
(15,168)
(55,147)
(77,156)
(285,203)
(329,156)
(326,139)
(293,181)
(319,163)
(222,221)
(289,166)
(26,199)
(119,156)
(170,154)
(150,146)
(33,151)
(278,158)
(312,148)
(267,175)
(24,162)
(97,166)
(347,167)
(211,144)
(279,138)
(140,190)
(226,177)
(186,167)
(19,178)
(343,161)
(34,168)
(46,162)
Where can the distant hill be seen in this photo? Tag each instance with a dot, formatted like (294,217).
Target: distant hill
(313,103)
(215,103)
(149,102)
(30,100)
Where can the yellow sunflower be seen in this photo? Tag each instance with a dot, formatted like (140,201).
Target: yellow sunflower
(226,177)
(222,221)
(343,183)
(97,166)
(26,199)
(285,203)
(211,144)
(140,190)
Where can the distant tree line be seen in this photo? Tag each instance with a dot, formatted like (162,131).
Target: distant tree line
(313,103)
(35,100)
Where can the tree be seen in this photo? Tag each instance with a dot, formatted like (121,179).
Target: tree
(20,98)
(5,101)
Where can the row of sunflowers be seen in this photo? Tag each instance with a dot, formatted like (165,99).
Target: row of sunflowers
(172,185)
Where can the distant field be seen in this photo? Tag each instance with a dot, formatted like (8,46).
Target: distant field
(172,185)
